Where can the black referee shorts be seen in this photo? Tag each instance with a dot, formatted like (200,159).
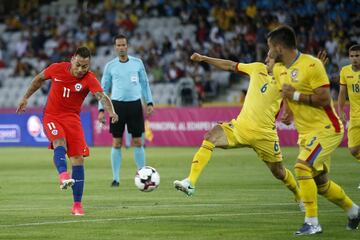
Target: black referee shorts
(131,114)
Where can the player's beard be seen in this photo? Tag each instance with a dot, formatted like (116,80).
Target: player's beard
(80,74)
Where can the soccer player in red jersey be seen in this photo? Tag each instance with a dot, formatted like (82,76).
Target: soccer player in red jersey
(70,84)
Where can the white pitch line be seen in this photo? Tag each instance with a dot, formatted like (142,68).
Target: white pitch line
(153,206)
(146,218)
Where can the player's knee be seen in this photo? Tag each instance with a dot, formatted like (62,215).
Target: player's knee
(137,142)
(116,143)
(321,179)
(278,171)
(209,136)
(355,152)
(77,160)
(213,134)
(59,142)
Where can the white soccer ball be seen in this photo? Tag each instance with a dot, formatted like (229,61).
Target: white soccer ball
(147,179)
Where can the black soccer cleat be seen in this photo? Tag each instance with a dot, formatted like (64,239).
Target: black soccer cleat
(115,184)
(353,223)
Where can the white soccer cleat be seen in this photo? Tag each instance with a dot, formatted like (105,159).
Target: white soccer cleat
(309,229)
(184,186)
(67,183)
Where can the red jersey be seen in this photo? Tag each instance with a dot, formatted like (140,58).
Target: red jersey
(67,93)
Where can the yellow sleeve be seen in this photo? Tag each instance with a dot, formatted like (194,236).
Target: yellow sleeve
(342,77)
(247,68)
(319,76)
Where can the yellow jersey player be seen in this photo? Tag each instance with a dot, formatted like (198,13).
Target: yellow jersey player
(350,84)
(305,87)
(254,127)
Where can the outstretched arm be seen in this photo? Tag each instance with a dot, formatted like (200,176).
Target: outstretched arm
(36,83)
(106,102)
(223,64)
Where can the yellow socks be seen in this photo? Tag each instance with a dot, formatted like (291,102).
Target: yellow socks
(308,189)
(335,194)
(200,160)
(291,184)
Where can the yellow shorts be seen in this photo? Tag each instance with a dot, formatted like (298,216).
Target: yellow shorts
(267,150)
(354,134)
(316,149)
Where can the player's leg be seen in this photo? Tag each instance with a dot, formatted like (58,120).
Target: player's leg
(270,153)
(56,135)
(335,194)
(77,150)
(310,151)
(78,175)
(308,190)
(218,136)
(355,151)
(60,162)
(285,175)
(136,127)
(354,140)
(116,160)
(329,189)
(311,169)
(139,152)
(214,138)
(117,130)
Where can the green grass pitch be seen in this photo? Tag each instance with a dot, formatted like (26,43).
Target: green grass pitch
(236,198)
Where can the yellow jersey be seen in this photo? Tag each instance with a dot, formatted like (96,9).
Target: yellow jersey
(262,102)
(306,74)
(351,79)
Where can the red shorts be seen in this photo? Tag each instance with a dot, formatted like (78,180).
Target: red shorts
(67,127)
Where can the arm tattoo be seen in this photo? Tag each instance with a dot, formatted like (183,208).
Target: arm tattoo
(105,101)
(35,84)
(100,97)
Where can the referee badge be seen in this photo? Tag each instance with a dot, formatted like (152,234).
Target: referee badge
(78,87)
(134,78)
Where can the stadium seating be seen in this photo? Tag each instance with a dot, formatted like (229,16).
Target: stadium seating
(169,24)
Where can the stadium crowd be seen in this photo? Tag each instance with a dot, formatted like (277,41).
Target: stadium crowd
(229,29)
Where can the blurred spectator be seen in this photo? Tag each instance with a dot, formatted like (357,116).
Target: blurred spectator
(251,9)
(21,46)
(22,69)
(220,29)
(331,46)
(157,73)
(202,32)
(12,22)
(3,53)
(174,73)
(166,46)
